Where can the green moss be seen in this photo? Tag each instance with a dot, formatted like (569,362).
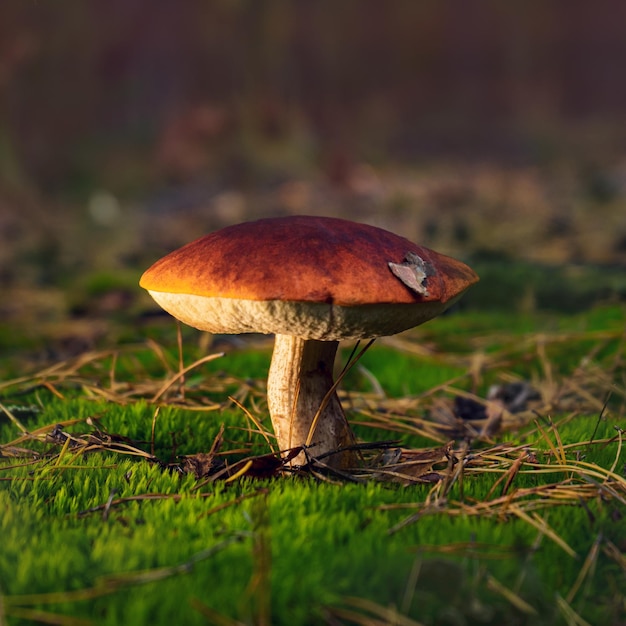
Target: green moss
(291,550)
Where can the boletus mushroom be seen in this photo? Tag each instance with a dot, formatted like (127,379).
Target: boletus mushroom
(310,281)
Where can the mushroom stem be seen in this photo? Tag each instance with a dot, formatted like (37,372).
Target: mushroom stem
(300,381)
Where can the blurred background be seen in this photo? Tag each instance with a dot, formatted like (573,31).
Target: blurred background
(492,131)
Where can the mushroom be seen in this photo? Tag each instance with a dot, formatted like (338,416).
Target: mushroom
(310,281)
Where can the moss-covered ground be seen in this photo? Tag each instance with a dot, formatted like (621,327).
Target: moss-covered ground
(108,515)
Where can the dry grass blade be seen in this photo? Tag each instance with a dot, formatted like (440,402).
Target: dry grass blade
(63,452)
(94,373)
(212,616)
(519,603)
(510,475)
(180,374)
(587,567)
(259,588)
(618,453)
(159,352)
(471,549)
(583,467)
(580,482)
(15,382)
(99,441)
(351,362)
(245,466)
(542,526)
(9,414)
(37,616)
(255,421)
(521,503)
(146,497)
(569,615)
(79,444)
(350,616)
(613,552)
(556,453)
(39,434)
(371,613)
(220,507)
(395,416)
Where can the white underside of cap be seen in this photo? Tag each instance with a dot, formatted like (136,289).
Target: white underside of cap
(322,321)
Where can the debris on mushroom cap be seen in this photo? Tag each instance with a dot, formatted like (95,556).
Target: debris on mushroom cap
(313,277)
(414,273)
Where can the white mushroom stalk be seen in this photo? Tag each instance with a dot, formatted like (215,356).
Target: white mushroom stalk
(303,404)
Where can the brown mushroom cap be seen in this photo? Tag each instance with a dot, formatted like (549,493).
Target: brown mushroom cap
(312,277)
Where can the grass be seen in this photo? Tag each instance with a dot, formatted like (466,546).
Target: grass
(458,522)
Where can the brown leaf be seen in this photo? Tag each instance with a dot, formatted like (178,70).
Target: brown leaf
(417,466)
(200,464)
(203,463)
